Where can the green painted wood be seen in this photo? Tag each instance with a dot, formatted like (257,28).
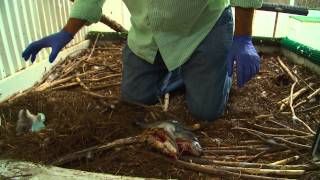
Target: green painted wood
(306,19)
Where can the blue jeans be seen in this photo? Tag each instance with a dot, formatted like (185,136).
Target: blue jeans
(204,75)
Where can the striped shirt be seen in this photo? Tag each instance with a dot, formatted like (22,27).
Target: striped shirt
(173,27)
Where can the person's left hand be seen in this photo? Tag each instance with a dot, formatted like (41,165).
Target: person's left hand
(246,57)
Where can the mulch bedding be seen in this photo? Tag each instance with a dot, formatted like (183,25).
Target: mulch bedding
(75,120)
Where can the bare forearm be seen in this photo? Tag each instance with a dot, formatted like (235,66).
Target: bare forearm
(74,25)
(244,18)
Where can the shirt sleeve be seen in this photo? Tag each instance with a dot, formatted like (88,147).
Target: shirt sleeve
(89,10)
(247,3)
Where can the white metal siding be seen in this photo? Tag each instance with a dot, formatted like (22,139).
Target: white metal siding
(24,21)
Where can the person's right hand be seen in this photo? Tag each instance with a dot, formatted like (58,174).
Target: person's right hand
(56,41)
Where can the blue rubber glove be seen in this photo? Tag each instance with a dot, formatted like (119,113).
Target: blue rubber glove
(56,41)
(246,57)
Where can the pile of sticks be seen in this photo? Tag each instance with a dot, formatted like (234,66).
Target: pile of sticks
(249,159)
(96,72)
(253,158)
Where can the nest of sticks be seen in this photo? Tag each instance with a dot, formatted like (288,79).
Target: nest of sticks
(272,141)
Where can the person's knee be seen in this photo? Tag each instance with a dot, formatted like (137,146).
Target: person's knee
(134,96)
(207,114)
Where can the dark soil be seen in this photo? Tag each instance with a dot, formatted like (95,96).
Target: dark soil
(75,121)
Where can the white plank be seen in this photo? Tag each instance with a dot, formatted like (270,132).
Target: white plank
(9,168)
(25,79)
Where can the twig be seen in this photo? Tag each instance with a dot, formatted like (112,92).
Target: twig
(270,172)
(313,94)
(294,117)
(251,142)
(82,84)
(286,161)
(99,64)
(277,130)
(257,156)
(293,144)
(235,147)
(295,95)
(309,109)
(272,141)
(69,85)
(247,164)
(280,124)
(105,86)
(47,85)
(103,78)
(112,24)
(316,92)
(81,60)
(224,171)
(98,148)
(234,151)
(166,102)
(293,77)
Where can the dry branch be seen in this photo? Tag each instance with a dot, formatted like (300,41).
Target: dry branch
(277,130)
(232,151)
(104,86)
(293,77)
(48,85)
(98,148)
(222,172)
(65,86)
(166,102)
(286,101)
(112,24)
(234,147)
(103,78)
(82,84)
(272,140)
(246,164)
(81,60)
(286,161)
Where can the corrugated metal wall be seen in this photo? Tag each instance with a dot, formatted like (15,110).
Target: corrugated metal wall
(24,21)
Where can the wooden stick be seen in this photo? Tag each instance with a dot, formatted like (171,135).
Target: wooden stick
(222,172)
(257,156)
(316,92)
(112,24)
(251,142)
(286,161)
(270,172)
(82,153)
(99,64)
(292,97)
(293,144)
(273,140)
(232,151)
(277,130)
(103,78)
(246,164)
(293,77)
(47,85)
(280,124)
(81,60)
(166,102)
(313,94)
(294,117)
(105,86)
(66,86)
(279,153)
(82,84)
(234,147)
